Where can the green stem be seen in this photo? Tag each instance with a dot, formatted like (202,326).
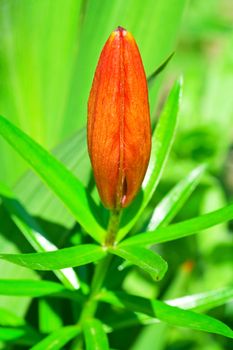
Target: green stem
(100,274)
(101,269)
(113,226)
(98,279)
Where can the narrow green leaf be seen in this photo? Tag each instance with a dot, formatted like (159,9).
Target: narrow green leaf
(204,301)
(33,232)
(38,288)
(95,336)
(144,258)
(182,229)
(161,144)
(62,182)
(57,339)
(151,78)
(166,313)
(174,200)
(29,288)
(9,319)
(37,198)
(59,259)
(196,302)
(25,335)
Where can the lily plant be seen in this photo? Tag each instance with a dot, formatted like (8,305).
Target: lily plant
(128,160)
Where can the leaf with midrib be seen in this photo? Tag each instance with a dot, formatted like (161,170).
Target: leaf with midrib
(201,302)
(58,259)
(61,181)
(38,199)
(166,313)
(182,229)
(147,260)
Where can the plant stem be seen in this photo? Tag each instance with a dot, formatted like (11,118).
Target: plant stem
(97,282)
(101,269)
(113,226)
(100,274)
(90,306)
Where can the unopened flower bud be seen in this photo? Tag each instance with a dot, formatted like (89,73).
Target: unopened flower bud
(119,132)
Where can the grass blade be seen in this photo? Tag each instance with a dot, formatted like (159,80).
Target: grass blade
(182,229)
(161,144)
(174,200)
(59,259)
(62,182)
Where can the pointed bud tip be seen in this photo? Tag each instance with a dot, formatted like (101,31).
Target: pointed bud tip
(120,31)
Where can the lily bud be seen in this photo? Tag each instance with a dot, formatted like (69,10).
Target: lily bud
(119,132)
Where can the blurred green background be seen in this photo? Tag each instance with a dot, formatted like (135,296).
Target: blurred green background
(48,53)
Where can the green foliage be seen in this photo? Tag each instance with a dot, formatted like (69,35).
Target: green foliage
(144,258)
(95,337)
(183,229)
(167,313)
(58,259)
(174,200)
(63,286)
(34,233)
(57,339)
(56,176)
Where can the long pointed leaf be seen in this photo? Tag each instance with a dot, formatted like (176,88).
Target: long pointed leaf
(182,229)
(59,259)
(34,233)
(37,198)
(57,339)
(204,301)
(27,287)
(20,288)
(67,187)
(161,144)
(198,302)
(166,313)
(154,75)
(173,201)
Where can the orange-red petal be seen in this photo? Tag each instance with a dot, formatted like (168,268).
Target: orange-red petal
(119,133)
